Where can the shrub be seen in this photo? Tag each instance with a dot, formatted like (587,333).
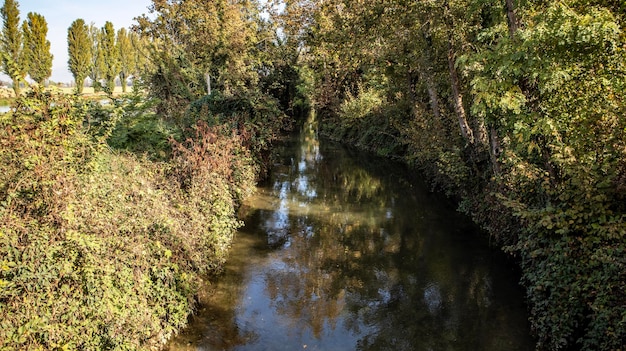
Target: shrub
(104,250)
(256,117)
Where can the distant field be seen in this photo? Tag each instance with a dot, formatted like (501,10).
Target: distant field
(7,95)
(89,91)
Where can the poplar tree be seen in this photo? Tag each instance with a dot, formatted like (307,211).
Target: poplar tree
(79,48)
(97,59)
(36,50)
(11,43)
(126,56)
(110,55)
(140,53)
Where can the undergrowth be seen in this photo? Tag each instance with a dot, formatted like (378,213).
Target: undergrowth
(104,249)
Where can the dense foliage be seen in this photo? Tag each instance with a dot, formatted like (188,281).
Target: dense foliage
(126,56)
(110,55)
(36,48)
(206,63)
(517,108)
(102,249)
(11,43)
(79,48)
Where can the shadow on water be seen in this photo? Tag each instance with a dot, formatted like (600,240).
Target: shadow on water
(341,252)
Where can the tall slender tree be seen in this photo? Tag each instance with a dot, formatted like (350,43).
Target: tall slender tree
(79,49)
(140,52)
(11,43)
(37,56)
(110,55)
(126,56)
(97,59)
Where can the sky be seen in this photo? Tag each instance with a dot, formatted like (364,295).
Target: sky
(60,14)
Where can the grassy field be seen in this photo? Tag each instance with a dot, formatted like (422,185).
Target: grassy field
(88,91)
(7,95)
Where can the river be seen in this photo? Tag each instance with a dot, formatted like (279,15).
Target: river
(345,251)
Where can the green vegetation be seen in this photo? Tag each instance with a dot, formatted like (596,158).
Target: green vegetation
(36,48)
(103,249)
(516,108)
(97,57)
(79,48)
(111,215)
(110,56)
(126,56)
(26,49)
(12,43)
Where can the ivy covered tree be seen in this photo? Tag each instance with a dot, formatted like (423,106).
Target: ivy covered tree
(11,44)
(79,48)
(37,55)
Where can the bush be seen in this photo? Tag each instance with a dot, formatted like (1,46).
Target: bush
(102,250)
(256,117)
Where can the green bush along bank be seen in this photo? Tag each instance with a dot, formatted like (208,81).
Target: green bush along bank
(104,249)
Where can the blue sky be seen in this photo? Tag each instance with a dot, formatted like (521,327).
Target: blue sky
(61,13)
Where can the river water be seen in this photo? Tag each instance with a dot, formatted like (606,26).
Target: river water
(343,251)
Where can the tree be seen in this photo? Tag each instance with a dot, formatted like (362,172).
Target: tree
(140,52)
(197,37)
(110,55)
(37,56)
(126,52)
(97,59)
(80,52)
(11,44)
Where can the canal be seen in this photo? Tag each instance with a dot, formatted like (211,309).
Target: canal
(345,251)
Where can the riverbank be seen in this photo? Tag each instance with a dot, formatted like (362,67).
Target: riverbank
(580,277)
(110,219)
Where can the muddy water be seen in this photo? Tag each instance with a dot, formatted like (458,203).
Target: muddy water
(343,251)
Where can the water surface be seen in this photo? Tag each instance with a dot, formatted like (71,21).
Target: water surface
(343,251)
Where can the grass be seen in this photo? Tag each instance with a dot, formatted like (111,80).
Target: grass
(7,96)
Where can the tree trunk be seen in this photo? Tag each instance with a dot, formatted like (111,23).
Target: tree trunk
(433,98)
(426,75)
(482,136)
(494,150)
(457,97)
(16,87)
(512,18)
(80,84)
(123,82)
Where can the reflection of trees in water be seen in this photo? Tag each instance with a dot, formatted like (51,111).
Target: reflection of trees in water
(353,255)
(376,259)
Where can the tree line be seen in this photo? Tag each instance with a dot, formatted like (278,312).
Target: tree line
(100,54)
(25,45)
(513,107)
